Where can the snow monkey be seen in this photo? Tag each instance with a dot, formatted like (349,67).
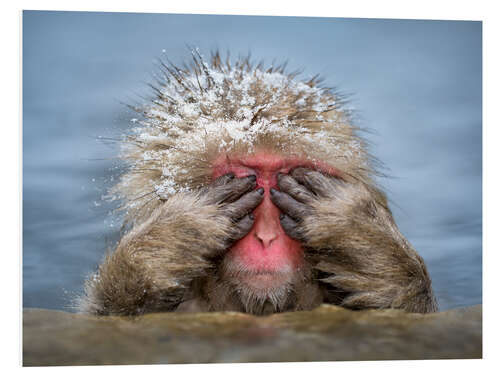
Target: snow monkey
(249,189)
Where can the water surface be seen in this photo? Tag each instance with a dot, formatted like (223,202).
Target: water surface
(416,84)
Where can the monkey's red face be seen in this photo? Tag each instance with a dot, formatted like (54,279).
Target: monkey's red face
(266,257)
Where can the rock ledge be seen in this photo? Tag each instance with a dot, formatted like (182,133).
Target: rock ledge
(328,333)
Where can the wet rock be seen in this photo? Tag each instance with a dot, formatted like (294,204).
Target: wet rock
(327,333)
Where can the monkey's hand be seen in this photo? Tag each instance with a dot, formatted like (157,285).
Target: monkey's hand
(351,239)
(235,199)
(155,263)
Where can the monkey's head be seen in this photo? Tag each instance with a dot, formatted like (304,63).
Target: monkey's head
(208,119)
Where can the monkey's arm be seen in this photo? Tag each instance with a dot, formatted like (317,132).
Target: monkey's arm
(154,264)
(351,237)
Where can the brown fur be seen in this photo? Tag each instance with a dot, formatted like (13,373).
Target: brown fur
(355,242)
(173,258)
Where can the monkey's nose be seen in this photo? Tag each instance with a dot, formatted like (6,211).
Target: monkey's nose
(266,238)
(267,226)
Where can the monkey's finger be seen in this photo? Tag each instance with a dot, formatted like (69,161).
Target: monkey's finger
(291,227)
(242,227)
(299,174)
(322,185)
(223,180)
(246,204)
(289,185)
(319,183)
(232,189)
(289,205)
(211,191)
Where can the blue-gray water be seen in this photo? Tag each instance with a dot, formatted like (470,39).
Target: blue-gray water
(416,84)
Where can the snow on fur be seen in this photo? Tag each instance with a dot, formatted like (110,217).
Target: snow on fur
(204,109)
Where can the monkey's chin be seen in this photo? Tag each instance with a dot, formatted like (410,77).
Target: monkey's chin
(266,281)
(263,292)
(263,272)
(258,281)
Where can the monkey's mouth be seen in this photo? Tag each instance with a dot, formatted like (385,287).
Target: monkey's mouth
(266,280)
(257,279)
